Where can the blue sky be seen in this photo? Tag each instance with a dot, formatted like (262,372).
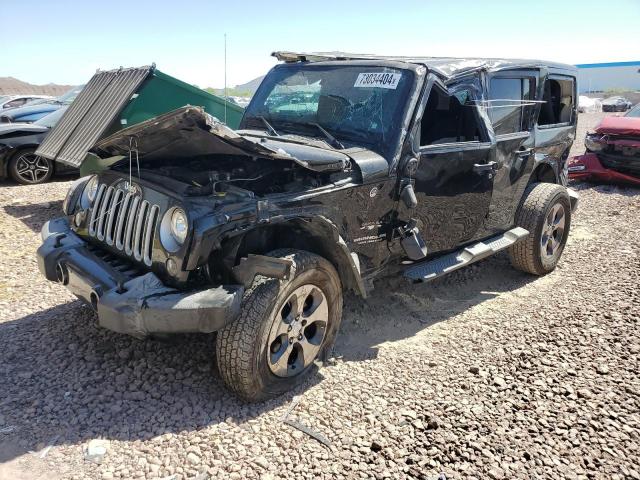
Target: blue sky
(65,41)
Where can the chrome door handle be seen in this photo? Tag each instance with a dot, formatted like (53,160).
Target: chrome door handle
(525,152)
(489,167)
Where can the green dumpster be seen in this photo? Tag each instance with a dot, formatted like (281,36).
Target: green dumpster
(117,99)
(162,93)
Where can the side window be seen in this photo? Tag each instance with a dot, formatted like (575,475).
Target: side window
(449,118)
(558,101)
(508,108)
(18,102)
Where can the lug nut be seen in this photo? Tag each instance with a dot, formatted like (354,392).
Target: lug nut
(289,328)
(300,337)
(291,340)
(304,322)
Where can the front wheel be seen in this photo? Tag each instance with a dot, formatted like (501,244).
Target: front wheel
(27,168)
(546,213)
(285,327)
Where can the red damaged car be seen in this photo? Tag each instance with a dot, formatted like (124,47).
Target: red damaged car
(613,151)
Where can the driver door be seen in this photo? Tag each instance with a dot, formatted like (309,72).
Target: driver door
(454,179)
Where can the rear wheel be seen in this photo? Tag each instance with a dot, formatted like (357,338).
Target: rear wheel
(27,168)
(285,327)
(546,213)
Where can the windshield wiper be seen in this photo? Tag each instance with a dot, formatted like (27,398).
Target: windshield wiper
(270,128)
(333,141)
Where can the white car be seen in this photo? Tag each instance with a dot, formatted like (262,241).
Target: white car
(12,101)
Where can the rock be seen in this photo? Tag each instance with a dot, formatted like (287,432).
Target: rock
(496,473)
(409,413)
(602,369)
(475,370)
(583,393)
(376,446)
(192,458)
(262,462)
(124,353)
(108,475)
(432,423)
(95,450)
(499,382)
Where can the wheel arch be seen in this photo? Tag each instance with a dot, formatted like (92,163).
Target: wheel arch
(17,151)
(544,172)
(316,235)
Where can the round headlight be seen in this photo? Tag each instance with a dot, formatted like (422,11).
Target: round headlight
(89,192)
(77,191)
(174,229)
(179,225)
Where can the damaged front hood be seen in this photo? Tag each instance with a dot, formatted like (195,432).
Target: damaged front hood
(189,131)
(619,126)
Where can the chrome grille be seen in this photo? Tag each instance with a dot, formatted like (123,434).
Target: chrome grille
(122,219)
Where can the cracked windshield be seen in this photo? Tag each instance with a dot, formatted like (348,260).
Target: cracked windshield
(360,105)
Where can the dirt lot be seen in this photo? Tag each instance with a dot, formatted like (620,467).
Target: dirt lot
(488,373)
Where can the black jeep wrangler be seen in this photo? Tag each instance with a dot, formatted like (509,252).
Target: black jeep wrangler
(344,168)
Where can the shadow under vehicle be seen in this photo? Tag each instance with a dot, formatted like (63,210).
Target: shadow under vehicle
(411,167)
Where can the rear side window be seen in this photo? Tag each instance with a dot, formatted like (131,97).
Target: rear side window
(509,109)
(558,100)
(18,102)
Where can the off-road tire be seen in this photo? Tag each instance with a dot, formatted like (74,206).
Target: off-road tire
(17,177)
(538,200)
(241,347)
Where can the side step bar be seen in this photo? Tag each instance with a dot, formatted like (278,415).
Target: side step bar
(431,269)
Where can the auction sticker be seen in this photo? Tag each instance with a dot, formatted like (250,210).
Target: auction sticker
(378,80)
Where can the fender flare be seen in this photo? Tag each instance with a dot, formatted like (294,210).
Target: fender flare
(317,234)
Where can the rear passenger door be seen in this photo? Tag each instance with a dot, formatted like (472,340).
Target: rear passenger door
(511,108)
(556,125)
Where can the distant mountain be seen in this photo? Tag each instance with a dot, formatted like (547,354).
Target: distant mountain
(242,90)
(251,85)
(13,86)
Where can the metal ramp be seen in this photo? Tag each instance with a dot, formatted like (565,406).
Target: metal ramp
(431,269)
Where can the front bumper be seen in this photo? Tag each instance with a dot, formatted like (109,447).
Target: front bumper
(589,167)
(136,306)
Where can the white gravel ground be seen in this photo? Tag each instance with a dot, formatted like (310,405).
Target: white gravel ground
(489,373)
